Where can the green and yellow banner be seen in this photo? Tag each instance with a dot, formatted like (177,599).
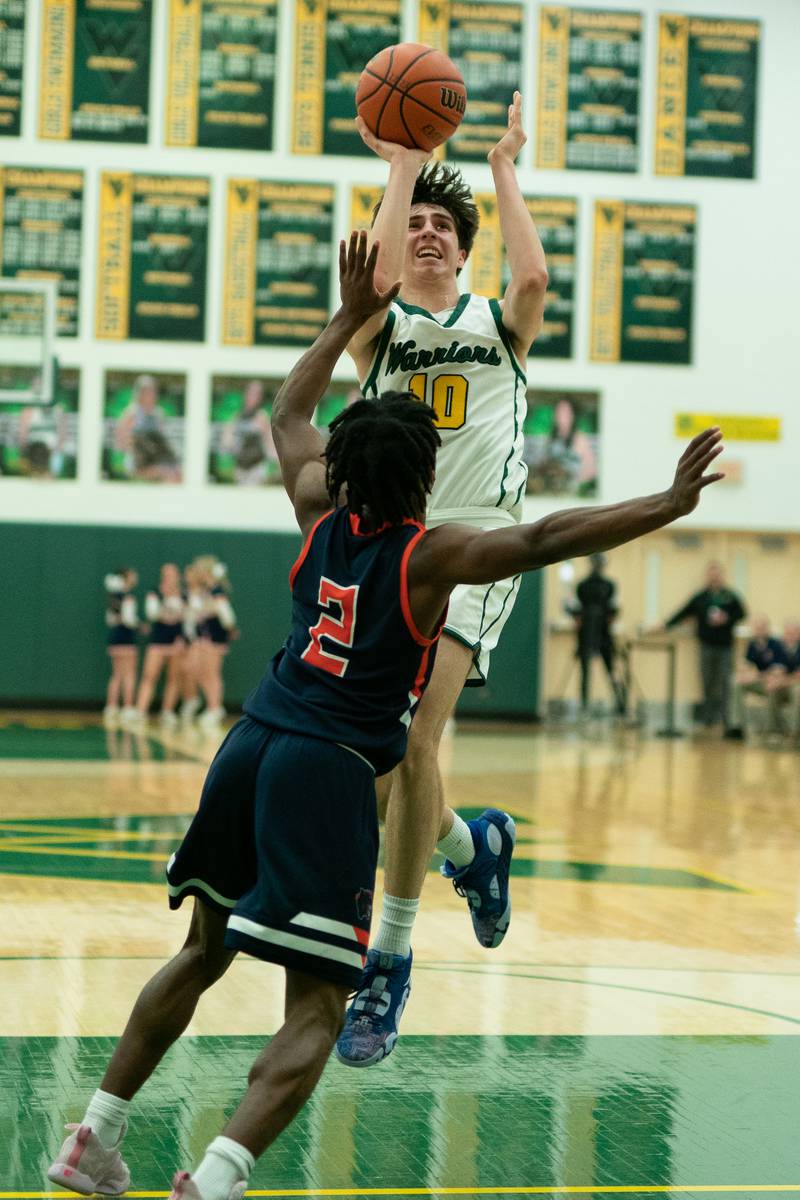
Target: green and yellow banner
(589,83)
(41,219)
(334,40)
(643,282)
(706,96)
(221,73)
(279,253)
(95,70)
(12,62)
(152,257)
(484,40)
(556,219)
(735,427)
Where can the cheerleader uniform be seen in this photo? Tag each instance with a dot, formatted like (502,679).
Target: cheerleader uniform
(218,620)
(165,614)
(122,621)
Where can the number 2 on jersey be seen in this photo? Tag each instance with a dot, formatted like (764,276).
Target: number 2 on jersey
(340,630)
(448,397)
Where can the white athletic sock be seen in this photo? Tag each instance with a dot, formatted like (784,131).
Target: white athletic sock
(226,1162)
(397,921)
(105,1116)
(457,845)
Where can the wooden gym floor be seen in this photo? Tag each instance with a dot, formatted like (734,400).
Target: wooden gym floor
(636,1033)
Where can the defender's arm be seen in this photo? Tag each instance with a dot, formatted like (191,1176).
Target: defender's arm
(523,302)
(298,444)
(453,554)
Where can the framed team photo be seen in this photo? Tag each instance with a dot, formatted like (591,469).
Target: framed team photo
(143,427)
(241,450)
(562,443)
(39,441)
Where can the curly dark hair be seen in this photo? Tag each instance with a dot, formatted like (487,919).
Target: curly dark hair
(384,452)
(439,183)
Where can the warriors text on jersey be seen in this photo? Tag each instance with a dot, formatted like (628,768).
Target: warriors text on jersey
(354,664)
(463,365)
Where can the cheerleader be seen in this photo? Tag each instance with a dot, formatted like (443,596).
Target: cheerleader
(122,621)
(195,595)
(164,610)
(215,629)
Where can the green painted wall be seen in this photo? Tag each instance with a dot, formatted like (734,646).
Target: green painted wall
(53,610)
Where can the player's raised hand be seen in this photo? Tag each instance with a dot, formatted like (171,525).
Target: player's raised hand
(360,297)
(690,477)
(515,137)
(388,150)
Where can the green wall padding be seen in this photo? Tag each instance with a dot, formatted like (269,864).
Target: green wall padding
(53,611)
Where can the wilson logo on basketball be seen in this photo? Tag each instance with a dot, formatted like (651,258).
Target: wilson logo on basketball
(450,99)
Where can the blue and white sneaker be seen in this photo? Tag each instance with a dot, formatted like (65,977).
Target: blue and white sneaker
(370,1027)
(484,882)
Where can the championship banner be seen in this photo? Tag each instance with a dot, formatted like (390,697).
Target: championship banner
(39,441)
(589,79)
(484,40)
(12,59)
(279,250)
(41,214)
(95,70)
(643,282)
(221,73)
(735,428)
(556,219)
(152,257)
(334,40)
(144,427)
(706,99)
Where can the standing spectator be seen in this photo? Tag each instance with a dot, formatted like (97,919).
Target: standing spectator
(164,609)
(765,660)
(715,609)
(594,612)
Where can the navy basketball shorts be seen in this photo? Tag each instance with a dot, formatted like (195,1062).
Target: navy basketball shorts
(285,844)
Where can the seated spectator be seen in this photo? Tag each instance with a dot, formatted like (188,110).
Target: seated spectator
(785,685)
(765,661)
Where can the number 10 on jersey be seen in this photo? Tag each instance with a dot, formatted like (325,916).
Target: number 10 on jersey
(448,397)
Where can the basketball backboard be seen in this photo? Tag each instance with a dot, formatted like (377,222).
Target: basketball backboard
(27,340)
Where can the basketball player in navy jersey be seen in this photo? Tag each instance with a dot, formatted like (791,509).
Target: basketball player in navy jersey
(281,856)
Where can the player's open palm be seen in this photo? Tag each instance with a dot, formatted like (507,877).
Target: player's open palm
(691,477)
(515,137)
(389,150)
(360,297)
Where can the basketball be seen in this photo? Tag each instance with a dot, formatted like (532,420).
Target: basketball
(412,95)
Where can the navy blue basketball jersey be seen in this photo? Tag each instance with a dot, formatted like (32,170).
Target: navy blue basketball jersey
(354,665)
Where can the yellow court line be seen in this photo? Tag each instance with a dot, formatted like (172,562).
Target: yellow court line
(659,1189)
(68,851)
(74,839)
(740,887)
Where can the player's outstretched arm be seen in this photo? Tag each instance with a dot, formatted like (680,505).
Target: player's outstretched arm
(298,444)
(453,554)
(523,302)
(390,229)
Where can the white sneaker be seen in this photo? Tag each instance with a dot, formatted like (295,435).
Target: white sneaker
(189,710)
(132,716)
(84,1165)
(168,719)
(111,715)
(184,1188)
(212,718)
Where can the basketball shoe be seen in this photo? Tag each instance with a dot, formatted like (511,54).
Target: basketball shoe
(484,882)
(84,1165)
(184,1188)
(370,1027)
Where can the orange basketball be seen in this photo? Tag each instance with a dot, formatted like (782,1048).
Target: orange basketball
(412,95)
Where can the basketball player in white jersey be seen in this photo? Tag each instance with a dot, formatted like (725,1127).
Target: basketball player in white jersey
(465,355)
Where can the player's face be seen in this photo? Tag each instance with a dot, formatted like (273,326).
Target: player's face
(432,250)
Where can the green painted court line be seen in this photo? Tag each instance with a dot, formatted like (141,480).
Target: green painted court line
(654,1190)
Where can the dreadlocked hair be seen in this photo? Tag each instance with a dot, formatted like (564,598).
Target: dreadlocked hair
(384,453)
(441,184)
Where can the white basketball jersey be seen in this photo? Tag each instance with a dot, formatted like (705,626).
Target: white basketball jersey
(462,364)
